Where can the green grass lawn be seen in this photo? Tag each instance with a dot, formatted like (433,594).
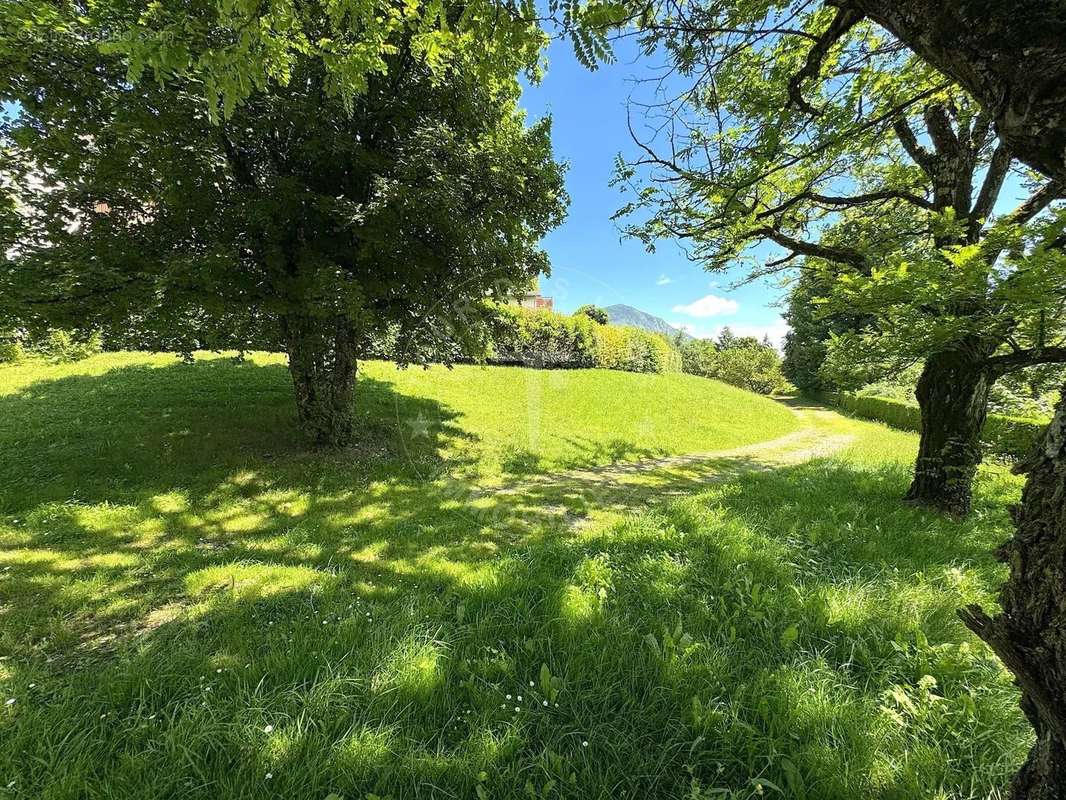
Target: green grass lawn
(191,605)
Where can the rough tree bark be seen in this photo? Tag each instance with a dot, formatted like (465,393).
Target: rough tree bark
(322,362)
(1009,54)
(1030,633)
(953,396)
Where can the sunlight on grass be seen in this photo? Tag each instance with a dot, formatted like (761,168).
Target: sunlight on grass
(184,614)
(253,581)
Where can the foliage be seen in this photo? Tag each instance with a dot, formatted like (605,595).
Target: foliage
(595,313)
(545,339)
(1030,393)
(1004,436)
(811,326)
(635,350)
(181,577)
(57,346)
(996,294)
(698,357)
(542,339)
(742,362)
(394,210)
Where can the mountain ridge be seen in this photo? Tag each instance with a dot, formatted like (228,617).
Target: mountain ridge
(622,314)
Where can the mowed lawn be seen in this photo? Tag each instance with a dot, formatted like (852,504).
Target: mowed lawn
(194,606)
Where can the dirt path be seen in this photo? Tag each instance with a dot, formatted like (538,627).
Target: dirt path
(581,493)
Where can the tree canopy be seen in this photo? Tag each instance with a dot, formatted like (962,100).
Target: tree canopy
(303,219)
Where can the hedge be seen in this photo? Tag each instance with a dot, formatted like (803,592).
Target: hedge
(1010,437)
(554,341)
(634,350)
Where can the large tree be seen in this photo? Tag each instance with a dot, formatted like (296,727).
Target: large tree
(738,155)
(303,219)
(1010,55)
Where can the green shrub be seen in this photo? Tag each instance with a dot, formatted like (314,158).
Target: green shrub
(61,346)
(11,352)
(750,366)
(1009,437)
(54,345)
(595,313)
(698,357)
(542,339)
(634,350)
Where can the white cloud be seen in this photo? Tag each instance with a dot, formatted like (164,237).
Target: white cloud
(708,306)
(663,280)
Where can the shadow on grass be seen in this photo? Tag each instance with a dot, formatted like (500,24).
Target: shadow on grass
(231,607)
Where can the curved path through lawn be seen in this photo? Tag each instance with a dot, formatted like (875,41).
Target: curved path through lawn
(577,494)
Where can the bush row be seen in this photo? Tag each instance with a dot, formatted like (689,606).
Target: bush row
(55,345)
(1009,437)
(747,364)
(548,340)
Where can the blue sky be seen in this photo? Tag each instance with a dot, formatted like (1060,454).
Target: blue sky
(590,261)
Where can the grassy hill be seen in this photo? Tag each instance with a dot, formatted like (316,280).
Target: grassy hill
(194,606)
(165,419)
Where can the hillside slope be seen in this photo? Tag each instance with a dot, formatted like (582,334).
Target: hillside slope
(621,314)
(535,420)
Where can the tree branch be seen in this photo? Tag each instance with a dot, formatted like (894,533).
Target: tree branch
(844,21)
(938,124)
(841,255)
(993,182)
(871,197)
(922,157)
(1019,359)
(1037,202)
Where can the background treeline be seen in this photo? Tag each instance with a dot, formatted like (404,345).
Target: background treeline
(1020,403)
(515,336)
(545,339)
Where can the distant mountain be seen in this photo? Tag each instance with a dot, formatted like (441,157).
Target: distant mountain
(627,315)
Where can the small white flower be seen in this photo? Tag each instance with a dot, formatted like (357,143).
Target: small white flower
(519,698)
(268,729)
(531,683)
(10,701)
(517,709)
(545,702)
(508,697)
(584,744)
(33,685)
(269,775)
(219,670)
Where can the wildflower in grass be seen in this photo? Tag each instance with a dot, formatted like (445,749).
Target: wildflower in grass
(10,701)
(269,775)
(545,703)
(584,744)
(519,698)
(268,729)
(517,709)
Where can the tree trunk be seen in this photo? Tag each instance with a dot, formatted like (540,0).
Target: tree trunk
(322,362)
(952,394)
(1030,634)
